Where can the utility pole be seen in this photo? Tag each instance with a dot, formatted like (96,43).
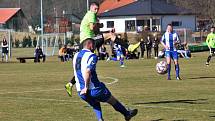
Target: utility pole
(41,19)
(87,5)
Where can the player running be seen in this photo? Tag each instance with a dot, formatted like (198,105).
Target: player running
(211,44)
(169,40)
(88,86)
(119,54)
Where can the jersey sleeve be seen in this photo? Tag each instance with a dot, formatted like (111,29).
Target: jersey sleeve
(163,39)
(92,18)
(91,64)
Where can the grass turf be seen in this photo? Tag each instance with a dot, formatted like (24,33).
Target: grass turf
(35,92)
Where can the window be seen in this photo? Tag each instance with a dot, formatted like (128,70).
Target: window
(110,24)
(176,23)
(130,25)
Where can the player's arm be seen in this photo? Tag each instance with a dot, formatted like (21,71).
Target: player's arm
(207,41)
(162,42)
(91,67)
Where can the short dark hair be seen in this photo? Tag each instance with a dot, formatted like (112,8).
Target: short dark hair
(169,25)
(94,3)
(86,41)
(213,27)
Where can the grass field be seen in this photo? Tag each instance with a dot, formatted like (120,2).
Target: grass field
(35,92)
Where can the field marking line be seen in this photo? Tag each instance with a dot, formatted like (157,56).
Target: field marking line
(39,99)
(175,108)
(115,80)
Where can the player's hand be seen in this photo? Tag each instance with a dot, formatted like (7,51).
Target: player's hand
(166,47)
(83,91)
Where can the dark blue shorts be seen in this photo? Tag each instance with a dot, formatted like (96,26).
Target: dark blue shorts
(100,94)
(172,54)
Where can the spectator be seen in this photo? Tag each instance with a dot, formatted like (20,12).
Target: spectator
(39,54)
(4,49)
(62,53)
(148,47)
(103,53)
(156,47)
(142,48)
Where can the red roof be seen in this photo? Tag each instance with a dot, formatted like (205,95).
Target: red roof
(112,4)
(7,13)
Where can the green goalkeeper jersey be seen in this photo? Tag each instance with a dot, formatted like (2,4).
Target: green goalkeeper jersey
(211,40)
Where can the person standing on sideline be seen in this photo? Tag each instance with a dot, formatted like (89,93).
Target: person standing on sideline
(149,47)
(169,41)
(211,45)
(4,49)
(142,48)
(156,47)
(88,86)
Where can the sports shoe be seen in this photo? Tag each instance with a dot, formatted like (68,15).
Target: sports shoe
(132,113)
(178,78)
(108,59)
(68,88)
(168,78)
(207,64)
(122,66)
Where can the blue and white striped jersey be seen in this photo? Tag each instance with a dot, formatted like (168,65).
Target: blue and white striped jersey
(82,61)
(170,39)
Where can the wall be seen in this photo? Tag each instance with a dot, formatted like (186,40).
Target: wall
(188,21)
(119,23)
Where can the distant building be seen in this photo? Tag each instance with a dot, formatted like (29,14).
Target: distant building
(13,18)
(138,15)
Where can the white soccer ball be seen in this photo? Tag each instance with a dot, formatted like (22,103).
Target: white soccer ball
(161,67)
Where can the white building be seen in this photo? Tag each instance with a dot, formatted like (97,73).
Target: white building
(151,14)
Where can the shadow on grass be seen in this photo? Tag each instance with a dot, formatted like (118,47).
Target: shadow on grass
(203,77)
(158,120)
(180,120)
(212,116)
(197,101)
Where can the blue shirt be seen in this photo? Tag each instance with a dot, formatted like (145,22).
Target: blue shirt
(82,61)
(170,39)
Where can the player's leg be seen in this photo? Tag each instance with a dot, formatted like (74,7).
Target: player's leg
(128,114)
(177,69)
(168,60)
(95,104)
(210,56)
(2,57)
(69,86)
(122,60)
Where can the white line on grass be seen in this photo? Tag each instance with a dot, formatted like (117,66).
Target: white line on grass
(115,80)
(176,108)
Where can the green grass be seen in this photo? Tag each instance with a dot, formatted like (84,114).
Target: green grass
(35,92)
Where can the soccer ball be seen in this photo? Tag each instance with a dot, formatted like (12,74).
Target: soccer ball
(161,67)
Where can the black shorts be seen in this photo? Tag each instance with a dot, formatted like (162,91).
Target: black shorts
(98,42)
(212,50)
(4,49)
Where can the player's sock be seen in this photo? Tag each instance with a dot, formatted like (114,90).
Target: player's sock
(114,59)
(120,108)
(98,112)
(177,70)
(121,61)
(209,58)
(168,70)
(73,80)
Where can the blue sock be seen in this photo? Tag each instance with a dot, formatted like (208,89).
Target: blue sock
(168,69)
(97,109)
(177,70)
(114,59)
(120,108)
(121,61)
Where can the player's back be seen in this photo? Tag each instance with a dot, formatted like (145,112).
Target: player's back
(82,61)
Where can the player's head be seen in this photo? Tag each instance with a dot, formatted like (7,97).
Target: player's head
(213,29)
(88,44)
(169,28)
(94,7)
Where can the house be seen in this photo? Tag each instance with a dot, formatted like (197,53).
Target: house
(146,14)
(13,18)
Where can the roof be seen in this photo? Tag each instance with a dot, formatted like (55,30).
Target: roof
(108,5)
(147,7)
(7,13)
